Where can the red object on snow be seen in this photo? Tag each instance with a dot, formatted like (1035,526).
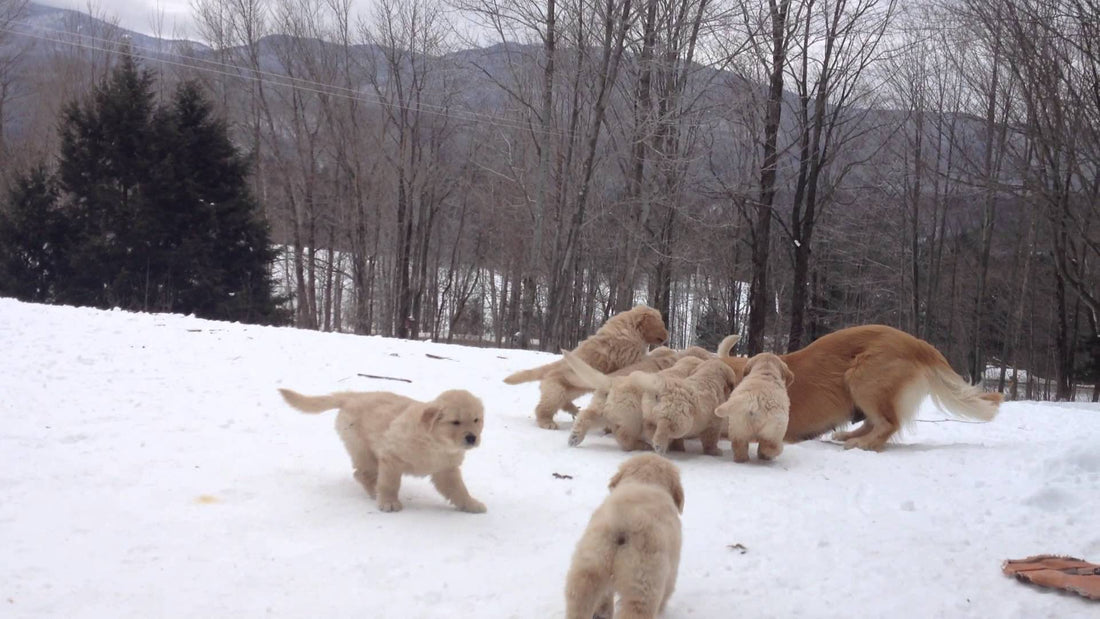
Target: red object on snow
(1066,573)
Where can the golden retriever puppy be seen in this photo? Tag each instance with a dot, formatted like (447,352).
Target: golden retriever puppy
(758,408)
(389,435)
(631,546)
(621,408)
(617,401)
(679,408)
(622,340)
(875,374)
(602,384)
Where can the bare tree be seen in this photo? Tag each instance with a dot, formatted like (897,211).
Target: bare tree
(11,51)
(771,52)
(849,35)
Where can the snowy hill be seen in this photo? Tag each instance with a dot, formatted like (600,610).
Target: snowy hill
(149,469)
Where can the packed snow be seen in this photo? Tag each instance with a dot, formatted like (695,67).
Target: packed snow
(150,469)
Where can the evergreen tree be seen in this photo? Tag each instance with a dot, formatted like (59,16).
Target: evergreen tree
(216,250)
(106,154)
(151,211)
(35,237)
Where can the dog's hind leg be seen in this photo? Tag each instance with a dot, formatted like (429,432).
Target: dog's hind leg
(550,400)
(859,431)
(710,437)
(606,609)
(882,419)
(638,607)
(366,472)
(587,589)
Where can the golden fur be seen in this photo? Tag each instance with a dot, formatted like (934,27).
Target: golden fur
(876,374)
(617,400)
(621,341)
(604,384)
(620,408)
(389,435)
(758,408)
(631,546)
(678,408)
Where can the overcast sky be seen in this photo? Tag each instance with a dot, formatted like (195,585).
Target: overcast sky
(177,20)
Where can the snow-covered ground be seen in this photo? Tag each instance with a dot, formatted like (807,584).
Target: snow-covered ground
(148,468)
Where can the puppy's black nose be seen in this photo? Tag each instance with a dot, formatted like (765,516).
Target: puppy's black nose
(470,439)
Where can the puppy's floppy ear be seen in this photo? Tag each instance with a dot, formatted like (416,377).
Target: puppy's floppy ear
(431,414)
(652,325)
(748,366)
(731,376)
(722,411)
(788,375)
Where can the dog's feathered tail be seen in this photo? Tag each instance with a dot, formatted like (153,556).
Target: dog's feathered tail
(312,403)
(952,393)
(587,375)
(526,376)
(727,345)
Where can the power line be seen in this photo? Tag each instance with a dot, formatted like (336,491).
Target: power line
(260,76)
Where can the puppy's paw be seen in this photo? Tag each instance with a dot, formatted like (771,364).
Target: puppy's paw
(473,507)
(864,443)
(840,437)
(741,459)
(575,438)
(548,424)
(390,506)
(712,451)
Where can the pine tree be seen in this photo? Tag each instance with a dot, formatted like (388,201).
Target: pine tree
(35,238)
(106,154)
(150,211)
(217,250)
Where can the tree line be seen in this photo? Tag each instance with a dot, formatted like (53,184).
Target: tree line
(780,169)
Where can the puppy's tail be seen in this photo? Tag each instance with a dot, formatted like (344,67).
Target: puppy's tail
(311,403)
(587,375)
(526,376)
(952,393)
(727,345)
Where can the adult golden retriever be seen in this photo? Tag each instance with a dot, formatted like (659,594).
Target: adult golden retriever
(631,546)
(758,409)
(621,341)
(875,374)
(389,435)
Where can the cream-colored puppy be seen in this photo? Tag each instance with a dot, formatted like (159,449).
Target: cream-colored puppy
(620,409)
(758,409)
(631,546)
(680,408)
(389,435)
(617,400)
(621,341)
